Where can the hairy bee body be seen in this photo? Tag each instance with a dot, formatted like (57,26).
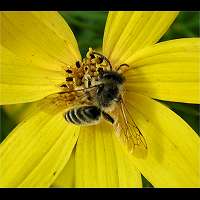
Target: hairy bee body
(107,91)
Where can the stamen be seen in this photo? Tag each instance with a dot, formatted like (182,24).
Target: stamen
(69,79)
(89,53)
(100,69)
(87,73)
(99,60)
(63,85)
(92,56)
(78,65)
(69,71)
(104,59)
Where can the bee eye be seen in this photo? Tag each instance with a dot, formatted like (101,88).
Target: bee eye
(107,76)
(100,89)
(109,95)
(112,90)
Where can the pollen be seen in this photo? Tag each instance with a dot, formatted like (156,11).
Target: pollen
(85,72)
(79,77)
(82,76)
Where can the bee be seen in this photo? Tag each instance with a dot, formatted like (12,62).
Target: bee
(106,100)
(106,94)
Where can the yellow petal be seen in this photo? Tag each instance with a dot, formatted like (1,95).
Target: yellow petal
(41,38)
(167,71)
(21,81)
(66,178)
(126,32)
(37,150)
(100,161)
(34,48)
(173,147)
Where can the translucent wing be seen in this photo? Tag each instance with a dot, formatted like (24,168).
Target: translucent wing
(128,132)
(69,99)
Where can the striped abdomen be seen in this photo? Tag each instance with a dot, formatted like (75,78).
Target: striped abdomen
(83,115)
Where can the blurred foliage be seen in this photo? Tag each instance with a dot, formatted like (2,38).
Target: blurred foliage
(6,124)
(185,25)
(88,28)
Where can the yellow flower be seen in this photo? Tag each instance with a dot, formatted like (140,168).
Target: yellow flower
(44,150)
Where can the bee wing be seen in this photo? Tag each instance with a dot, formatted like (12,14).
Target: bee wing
(69,99)
(128,132)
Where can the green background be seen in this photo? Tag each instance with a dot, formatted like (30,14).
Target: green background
(88,28)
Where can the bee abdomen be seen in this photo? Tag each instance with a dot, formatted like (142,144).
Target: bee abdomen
(83,115)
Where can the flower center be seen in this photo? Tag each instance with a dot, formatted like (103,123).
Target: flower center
(87,73)
(92,80)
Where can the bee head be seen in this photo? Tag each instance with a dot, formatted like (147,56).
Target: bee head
(106,93)
(112,76)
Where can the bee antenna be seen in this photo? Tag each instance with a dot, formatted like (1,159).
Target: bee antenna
(122,66)
(104,58)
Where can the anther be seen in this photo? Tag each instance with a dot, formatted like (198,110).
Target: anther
(100,71)
(78,64)
(92,68)
(69,79)
(92,56)
(68,71)
(99,60)
(102,56)
(63,85)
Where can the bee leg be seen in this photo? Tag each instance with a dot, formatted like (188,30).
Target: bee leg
(107,117)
